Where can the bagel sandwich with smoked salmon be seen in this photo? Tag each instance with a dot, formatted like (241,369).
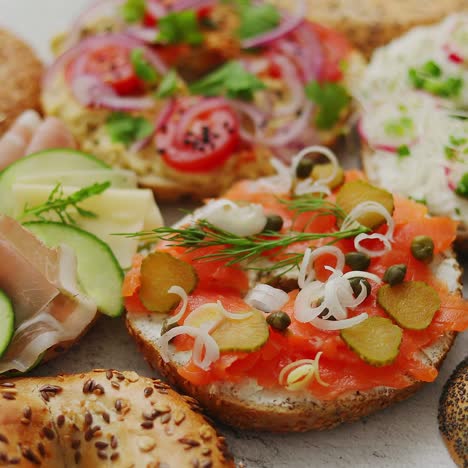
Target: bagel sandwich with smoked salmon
(104,418)
(299,301)
(193,97)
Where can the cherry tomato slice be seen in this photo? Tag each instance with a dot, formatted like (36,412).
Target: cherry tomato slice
(113,66)
(199,135)
(336,48)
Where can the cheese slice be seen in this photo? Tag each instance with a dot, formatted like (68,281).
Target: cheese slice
(119,178)
(117,211)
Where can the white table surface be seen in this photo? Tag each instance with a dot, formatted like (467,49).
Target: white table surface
(404,435)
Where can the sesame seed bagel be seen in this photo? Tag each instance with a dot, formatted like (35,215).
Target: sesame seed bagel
(20,75)
(246,405)
(453,414)
(372,23)
(104,418)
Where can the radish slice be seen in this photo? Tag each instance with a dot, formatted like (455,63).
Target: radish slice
(456,45)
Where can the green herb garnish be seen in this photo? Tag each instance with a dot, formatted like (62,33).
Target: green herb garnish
(231,80)
(316,204)
(179,28)
(168,85)
(59,204)
(429,77)
(399,127)
(133,11)
(462,187)
(331,99)
(403,151)
(257,19)
(238,249)
(125,128)
(142,67)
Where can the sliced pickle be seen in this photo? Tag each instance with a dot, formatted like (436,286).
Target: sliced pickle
(245,335)
(322,171)
(358,191)
(376,340)
(159,272)
(412,304)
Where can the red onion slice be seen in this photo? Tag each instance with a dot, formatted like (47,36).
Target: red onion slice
(156,9)
(143,33)
(288,24)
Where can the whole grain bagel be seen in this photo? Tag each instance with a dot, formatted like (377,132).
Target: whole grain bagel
(369,24)
(453,414)
(104,418)
(20,75)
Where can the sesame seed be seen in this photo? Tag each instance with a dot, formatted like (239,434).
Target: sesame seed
(14,461)
(30,455)
(206,451)
(27,412)
(77,457)
(102,455)
(148,391)
(190,443)
(147,425)
(179,416)
(98,389)
(48,433)
(89,386)
(106,417)
(115,385)
(25,421)
(118,405)
(114,443)
(114,456)
(109,375)
(60,420)
(88,435)
(165,418)
(3,458)
(8,396)
(41,449)
(3,439)
(75,444)
(7,385)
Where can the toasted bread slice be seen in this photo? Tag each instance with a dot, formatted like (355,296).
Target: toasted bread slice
(20,75)
(247,405)
(369,24)
(453,414)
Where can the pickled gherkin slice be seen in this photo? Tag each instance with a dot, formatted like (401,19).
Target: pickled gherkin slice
(247,334)
(412,304)
(322,171)
(356,192)
(159,272)
(376,340)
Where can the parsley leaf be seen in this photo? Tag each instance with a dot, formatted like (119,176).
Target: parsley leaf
(331,99)
(180,28)
(168,85)
(142,67)
(133,11)
(125,128)
(429,77)
(257,19)
(231,80)
(403,151)
(462,187)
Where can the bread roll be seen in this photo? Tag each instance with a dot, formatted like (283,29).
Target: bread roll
(104,418)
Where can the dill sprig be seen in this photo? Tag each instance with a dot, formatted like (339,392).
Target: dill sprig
(59,204)
(316,204)
(237,249)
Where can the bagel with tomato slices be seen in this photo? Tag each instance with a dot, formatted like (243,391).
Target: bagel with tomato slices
(412,95)
(194,97)
(299,301)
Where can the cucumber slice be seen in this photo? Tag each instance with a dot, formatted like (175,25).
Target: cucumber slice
(41,163)
(99,272)
(119,178)
(7,321)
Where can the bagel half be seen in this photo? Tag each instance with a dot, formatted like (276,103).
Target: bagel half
(453,414)
(372,23)
(101,418)
(20,75)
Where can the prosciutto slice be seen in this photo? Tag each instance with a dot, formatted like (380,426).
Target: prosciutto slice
(42,285)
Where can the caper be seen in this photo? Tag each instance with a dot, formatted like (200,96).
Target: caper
(279,320)
(274,223)
(357,261)
(422,248)
(167,326)
(395,274)
(304,168)
(357,284)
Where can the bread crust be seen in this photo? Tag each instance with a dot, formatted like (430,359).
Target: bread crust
(453,414)
(104,417)
(20,75)
(369,24)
